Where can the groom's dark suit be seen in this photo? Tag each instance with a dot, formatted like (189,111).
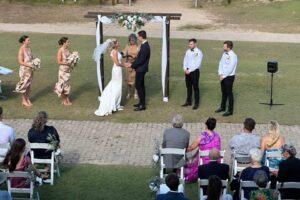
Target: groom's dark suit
(141,67)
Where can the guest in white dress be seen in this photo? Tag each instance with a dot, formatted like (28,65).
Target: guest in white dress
(111,96)
(215,190)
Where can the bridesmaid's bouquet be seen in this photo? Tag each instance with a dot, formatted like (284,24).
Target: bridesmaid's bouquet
(36,63)
(73,59)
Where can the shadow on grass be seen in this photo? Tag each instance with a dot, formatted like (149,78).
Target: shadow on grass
(43,92)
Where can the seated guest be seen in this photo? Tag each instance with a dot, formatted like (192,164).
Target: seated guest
(272,142)
(16,160)
(40,132)
(261,180)
(289,171)
(175,137)
(7,134)
(243,142)
(206,140)
(213,168)
(248,173)
(215,190)
(172,182)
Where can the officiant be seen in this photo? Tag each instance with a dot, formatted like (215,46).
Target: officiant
(191,67)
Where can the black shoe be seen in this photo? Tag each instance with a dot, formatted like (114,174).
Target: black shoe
(195,107)
(219,110)
(136,105)
(186,104)
(140,108)
(227,113)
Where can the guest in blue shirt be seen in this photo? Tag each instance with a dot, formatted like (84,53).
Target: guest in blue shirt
(172,182)
(41,133)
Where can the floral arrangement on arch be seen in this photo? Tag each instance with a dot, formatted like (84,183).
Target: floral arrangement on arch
(132,21)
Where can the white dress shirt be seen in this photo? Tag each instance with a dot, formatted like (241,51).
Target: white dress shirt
(7,135)
(192,59)
(228,63)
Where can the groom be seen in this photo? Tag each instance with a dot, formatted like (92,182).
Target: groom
(140,65)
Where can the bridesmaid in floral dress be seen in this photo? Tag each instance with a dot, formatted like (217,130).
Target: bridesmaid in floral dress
(26,71)
(62,87)
(206,140)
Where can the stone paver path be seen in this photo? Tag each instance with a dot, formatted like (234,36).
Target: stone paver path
(129,144)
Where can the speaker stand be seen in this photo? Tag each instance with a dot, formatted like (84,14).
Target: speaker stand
(271,96)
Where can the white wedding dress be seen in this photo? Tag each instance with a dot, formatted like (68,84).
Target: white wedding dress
(111,96)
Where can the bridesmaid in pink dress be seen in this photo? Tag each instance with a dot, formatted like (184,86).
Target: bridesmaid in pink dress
(206,140)
(26,71)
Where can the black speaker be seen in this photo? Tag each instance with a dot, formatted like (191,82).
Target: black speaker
(272,66)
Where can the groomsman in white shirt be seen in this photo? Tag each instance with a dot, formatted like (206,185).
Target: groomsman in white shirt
(227,67)
(191,66)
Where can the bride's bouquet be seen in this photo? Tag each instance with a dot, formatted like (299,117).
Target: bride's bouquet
(73,59)
(36,63)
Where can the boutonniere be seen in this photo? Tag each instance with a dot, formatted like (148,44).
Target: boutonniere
(195,54)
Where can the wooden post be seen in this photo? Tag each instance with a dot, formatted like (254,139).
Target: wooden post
(102,56)
(196,3)
(168,59)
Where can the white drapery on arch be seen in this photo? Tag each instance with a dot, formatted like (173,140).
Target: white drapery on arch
(97,56)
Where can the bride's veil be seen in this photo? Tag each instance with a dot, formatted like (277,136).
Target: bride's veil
(100,49)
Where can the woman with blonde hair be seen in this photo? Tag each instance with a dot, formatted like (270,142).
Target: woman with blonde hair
(110,99)
(272,142)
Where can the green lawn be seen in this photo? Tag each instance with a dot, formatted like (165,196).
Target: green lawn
(94,182)
(269,17)
(251,86)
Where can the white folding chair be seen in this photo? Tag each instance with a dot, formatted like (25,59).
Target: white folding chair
(206,153)
(204,183)
(53,161)
(0,87)
(275,154)
(248,184)
(170,151)
(239,163)
(287,185)
(4,148)
(29,190)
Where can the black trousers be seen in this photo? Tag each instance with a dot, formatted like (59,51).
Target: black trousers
(226,88)
(140,87)
(192,83)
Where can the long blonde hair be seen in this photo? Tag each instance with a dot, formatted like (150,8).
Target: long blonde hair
(273,133)
(112,44)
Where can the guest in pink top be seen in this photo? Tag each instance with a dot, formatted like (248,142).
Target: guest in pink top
(16,160)
(206,140)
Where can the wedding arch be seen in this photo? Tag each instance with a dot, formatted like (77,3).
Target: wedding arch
(164,18)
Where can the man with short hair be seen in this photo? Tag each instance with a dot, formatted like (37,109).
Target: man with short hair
(227,68)
(191,67)
(172,182)
(7,134)
(243,142)
(213,167)
(175,137)
(289,171)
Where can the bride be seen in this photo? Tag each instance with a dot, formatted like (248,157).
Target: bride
(111,96)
